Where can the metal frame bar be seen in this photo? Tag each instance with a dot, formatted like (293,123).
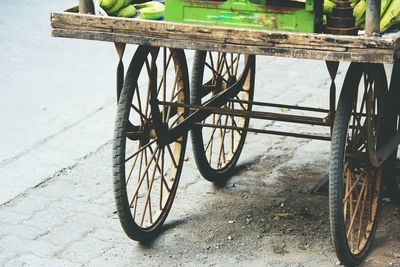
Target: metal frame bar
(373,18)
(255,114)
(275,105)
(86,7)
(253,130)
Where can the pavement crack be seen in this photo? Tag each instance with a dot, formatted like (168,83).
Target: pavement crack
(58,173)
(39,236)
(52,136)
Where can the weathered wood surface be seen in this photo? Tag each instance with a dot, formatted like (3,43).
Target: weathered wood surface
(175,35)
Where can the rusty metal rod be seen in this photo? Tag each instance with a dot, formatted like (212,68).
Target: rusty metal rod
(255,114)
(380,156)
(298,135)
(275,105)
(373,18)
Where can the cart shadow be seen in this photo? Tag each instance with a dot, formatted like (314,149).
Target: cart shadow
(149,243)
(239,169)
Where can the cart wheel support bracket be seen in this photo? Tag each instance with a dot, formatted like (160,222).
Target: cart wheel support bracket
(333,67)
(120,68)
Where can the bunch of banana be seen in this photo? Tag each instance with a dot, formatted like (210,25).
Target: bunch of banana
(119,8)
(124,8)
(391,16)
(390,12)
(359,13)
(151,10)
(328,7)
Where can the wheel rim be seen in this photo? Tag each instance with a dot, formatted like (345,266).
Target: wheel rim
(152,172)
(361,181)
(222,145)
(393,164)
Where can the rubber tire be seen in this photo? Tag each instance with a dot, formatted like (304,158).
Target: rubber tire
(337,157)
(128,224)
(391,177)
(217,176)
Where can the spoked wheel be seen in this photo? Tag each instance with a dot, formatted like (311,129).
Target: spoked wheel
(392,174)
(218,141)
(146,175)
(355,185)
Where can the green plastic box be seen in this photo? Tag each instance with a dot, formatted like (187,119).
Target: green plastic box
(273,15)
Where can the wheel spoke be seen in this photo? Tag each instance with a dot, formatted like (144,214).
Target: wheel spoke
(352,219)
(131,170)
(212,64)
(222,149)
(141,179)
(361,226)
(162,179)
(237,64)
(350,192)
(176,120)
(148,188)
(216,73)
(141,149)
(173,95)
(227,66)
(148,196)
(138,111)
(161,170)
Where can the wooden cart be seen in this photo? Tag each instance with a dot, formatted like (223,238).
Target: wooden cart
(156,110)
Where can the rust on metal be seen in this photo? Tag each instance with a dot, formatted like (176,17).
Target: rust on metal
(262,131)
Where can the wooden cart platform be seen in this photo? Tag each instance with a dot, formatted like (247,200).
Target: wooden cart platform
(327,47)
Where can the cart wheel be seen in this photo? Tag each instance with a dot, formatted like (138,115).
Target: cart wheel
(146,175)
(354,185)
(391,175)
(217,149)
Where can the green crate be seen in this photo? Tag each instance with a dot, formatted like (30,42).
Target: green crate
(274,15)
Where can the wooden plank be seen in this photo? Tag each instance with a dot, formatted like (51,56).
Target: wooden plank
(359,55)
(216,34)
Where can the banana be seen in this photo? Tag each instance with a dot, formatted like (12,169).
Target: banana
(354,2)
(384,6)
(119,4)
(391,16)
(127,12)
(128,2)
(328,6)
(359,12)
(151,10)
(107,4)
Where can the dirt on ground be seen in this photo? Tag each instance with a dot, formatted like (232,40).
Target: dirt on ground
(265,215)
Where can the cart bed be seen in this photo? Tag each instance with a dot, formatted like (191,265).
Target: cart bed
(383,49)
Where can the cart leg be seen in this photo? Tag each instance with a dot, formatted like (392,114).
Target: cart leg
(146,174)
(120,68)
(217,149)
(354,184)
(333,69)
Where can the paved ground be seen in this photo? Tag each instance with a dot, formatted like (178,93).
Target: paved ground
(47,104)
(58,207)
